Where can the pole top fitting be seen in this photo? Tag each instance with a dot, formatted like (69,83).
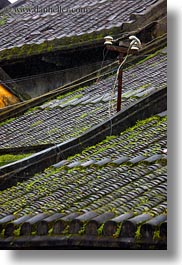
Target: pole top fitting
(108,40)
(135,43)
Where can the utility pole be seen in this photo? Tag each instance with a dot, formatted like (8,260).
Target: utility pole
(123,50)
(120,83)
(122,53)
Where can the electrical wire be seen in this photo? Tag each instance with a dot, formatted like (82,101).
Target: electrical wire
(103,59)
(52,92)
(99,75)
(15,80)
(32,77)
(107,73)
(111,106)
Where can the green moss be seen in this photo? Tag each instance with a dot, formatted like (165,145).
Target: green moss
(7,159)
(137,233)
(100,229)
(156,234)
(17,232)
(141,123)
(91,148)
(148,57)
(57,44)
(29,186)
(162,162)
(32,109)
(50,48)
(118,230)
(132,133)
(82,230)
(66,230)
(130,93)
(72,98)
(7,121)
(36,123)
(83,115)
(2,233)
(50,171)
(53,131)
(3,20)
(71,93)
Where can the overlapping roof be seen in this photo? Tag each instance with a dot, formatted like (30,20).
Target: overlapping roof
(74,113)
(41,22)
(89,190)
(46,25)
(113,194)
(117,189)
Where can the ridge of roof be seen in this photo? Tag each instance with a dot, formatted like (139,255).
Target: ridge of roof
(146,107)
(152,48)
(103,185)
(110,202)
(47,31)
(72,242)
(43,126)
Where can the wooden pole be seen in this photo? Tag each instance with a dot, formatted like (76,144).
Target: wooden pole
(120,83)
(122,52)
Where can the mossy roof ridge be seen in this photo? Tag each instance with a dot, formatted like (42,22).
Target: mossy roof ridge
(72,114)
(151,127)
(75,183)
(46,27)
(9,158)
(135,188)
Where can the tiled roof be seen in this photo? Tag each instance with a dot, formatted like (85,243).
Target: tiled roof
(72,114)
(114,190)
(25,27)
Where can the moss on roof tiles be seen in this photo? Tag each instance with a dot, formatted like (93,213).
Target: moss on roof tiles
(51,114)
(9,158)
(7,121)
(56,44)
(132,134)
(77,186)
(3,20)
(150,56)
(87,28)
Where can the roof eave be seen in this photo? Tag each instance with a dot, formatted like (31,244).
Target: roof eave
(63,44)
(78,242)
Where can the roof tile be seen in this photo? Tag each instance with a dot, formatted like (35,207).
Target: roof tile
(109,15)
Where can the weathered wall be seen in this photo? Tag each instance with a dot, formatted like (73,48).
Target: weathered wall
(42,83)
(39,74)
